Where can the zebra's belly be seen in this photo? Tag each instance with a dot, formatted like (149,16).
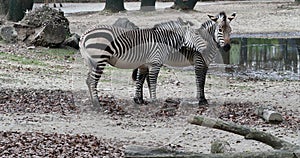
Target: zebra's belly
(179,63)
(178,59)
(124,64)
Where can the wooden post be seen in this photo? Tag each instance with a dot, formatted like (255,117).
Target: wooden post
(243,51)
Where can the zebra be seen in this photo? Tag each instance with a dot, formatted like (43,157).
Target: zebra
(46,2)
(183,57)
(216,34)
(145,49)
(127,49)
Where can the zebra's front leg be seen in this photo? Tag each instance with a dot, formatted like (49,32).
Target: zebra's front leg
(200,82)
(142,74)
(92,82)
(153,74)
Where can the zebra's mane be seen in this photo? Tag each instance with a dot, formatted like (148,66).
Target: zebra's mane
(174,24)
(208,29)
(209,24)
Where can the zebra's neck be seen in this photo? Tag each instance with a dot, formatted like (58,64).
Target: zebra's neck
(207,31)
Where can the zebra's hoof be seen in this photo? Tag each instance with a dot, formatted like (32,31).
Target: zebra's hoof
(154,102)
(96,103)
(138,100)
(203,102)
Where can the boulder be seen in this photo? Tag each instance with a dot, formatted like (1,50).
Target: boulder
(125,23)
(51,35)
(8,34)
(44,26)
(44,15)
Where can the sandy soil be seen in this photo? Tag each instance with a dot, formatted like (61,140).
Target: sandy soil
(254,17)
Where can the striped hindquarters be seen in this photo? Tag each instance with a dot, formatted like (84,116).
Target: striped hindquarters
(96,44)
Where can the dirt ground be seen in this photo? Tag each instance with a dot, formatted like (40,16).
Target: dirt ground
(151,125)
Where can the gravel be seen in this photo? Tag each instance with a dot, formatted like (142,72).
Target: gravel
(43,144)
(37,101)
(147,124)
(36,144)
(244,114)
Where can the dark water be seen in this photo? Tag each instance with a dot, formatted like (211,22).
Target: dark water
(278,57)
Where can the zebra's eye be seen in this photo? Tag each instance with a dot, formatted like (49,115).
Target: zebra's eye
(220,30)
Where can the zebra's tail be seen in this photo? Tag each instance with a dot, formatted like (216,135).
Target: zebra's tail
(134,74)
(86,56)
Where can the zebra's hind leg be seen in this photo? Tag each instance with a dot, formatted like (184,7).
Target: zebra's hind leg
(92,82)
(142,74)
(200,82)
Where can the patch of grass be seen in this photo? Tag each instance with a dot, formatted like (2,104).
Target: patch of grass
(21,59)
(58,53)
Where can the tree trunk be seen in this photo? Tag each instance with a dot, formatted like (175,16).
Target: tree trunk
(184,4)
(114,5)
(17,9)
(4,7)
(148,5)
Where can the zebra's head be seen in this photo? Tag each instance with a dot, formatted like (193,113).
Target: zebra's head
(222,29)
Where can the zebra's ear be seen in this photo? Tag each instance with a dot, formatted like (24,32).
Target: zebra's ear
(232,16)
(213,18)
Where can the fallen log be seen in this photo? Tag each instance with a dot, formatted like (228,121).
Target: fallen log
(286,149)
(160,152)
(248,133)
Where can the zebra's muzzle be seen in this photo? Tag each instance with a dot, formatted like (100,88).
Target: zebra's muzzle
(226,47)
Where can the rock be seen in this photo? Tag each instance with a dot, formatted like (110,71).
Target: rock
(219,146)
(272,116)
(72,41)
(269,114)
(24,32)
(51,35)
(8,33)
(125,23)
(185,22)
(45,27)
(43,15)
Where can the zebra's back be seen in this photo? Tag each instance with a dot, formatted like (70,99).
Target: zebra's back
(128,49)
